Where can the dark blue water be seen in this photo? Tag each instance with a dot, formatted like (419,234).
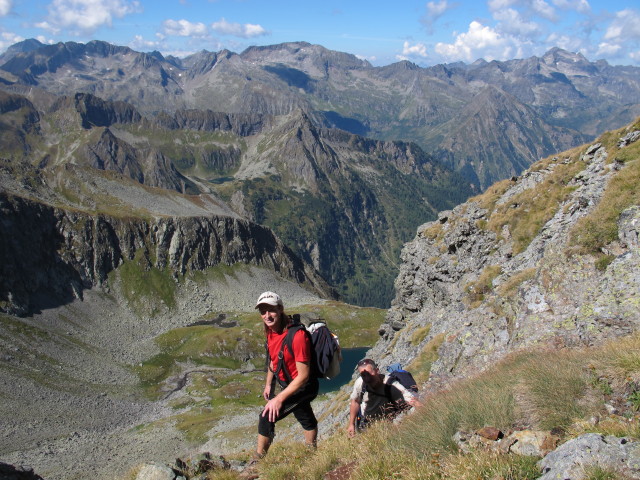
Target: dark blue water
(350,358)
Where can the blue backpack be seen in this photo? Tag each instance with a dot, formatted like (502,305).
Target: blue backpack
(405,378)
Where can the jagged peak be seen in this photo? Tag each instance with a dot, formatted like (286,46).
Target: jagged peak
(28,45)
(558,55)
(400,66)
(299,51)
(288,46)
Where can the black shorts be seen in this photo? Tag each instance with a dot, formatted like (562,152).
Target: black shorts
(300,405)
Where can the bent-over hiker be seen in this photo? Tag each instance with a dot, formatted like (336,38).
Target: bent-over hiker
(374,397)
(291,369)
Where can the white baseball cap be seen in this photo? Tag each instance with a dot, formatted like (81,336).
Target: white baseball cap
(270,298)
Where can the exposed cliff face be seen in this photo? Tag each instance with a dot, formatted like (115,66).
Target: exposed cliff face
(146,166)
(523,265)
(241,124)
(48,256)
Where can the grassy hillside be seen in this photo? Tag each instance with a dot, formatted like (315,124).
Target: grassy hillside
(559,390)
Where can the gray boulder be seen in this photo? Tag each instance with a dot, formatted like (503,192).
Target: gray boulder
(155,471)
(572,460)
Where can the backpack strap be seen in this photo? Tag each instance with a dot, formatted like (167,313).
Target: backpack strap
(280,364)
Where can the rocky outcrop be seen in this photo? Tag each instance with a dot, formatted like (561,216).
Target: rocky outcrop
(146,166)
(48,256)
(534,443)
(482,290)
(240,124)
(572,459)
(196,466)
(96,112)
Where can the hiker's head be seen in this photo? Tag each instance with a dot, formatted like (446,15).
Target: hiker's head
(369,372)
(271,310)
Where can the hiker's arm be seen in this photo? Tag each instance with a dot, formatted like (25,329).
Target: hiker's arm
(267,385)
(414,402)
(273,406)
(409,396)
(353,414)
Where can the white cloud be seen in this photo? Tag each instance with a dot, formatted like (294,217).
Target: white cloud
(417,50)
(512,22)
(625,26)
(184,28)
(247,30)
(5,7)
(434,11)
(543,9)
(581,6)
(500,4)
(140,44)
(86,16)
(608,49)
(523,9)
(7,39)
(621,37)
(479,42)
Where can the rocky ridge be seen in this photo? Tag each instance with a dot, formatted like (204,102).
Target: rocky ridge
(49,255)
(481,292)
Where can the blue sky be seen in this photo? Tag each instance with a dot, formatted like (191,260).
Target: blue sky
(382,32)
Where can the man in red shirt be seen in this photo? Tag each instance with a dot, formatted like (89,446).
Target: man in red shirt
(298,386)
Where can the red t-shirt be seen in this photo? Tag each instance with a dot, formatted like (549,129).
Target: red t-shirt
(301,351)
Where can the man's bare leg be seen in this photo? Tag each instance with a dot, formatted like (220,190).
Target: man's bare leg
(263,445)
(311,437)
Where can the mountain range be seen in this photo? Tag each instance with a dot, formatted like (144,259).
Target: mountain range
(532,268)
(342,160)
(489,120)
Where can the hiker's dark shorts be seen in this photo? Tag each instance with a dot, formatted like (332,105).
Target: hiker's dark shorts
(300,405)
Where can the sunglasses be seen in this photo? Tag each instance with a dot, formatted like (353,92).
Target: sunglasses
(366,361)
(266,309)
